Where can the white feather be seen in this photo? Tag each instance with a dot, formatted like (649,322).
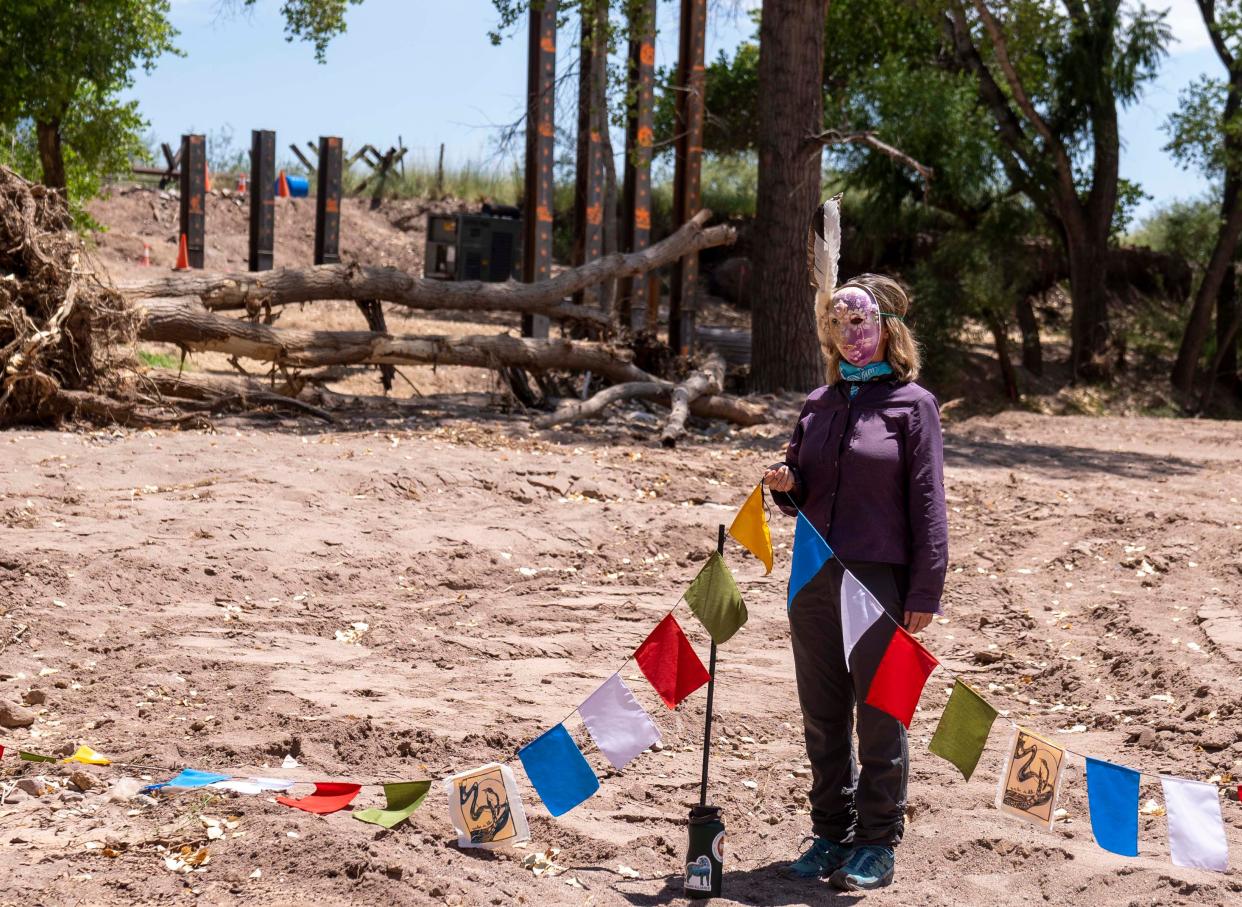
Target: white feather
(824,248)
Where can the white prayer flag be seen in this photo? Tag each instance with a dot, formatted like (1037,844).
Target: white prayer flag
(617,723)
(859,610)
(254,786)
(1196,829)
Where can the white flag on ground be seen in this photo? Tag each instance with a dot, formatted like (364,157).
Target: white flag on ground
(859,610)
(618,724)
(1196,829)
(254,785)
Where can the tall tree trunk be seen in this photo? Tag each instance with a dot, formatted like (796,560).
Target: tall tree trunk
(1200,321)
(1226,309)
(1032,349)
(1000,339)
(785,351)
(51,156)
(1089,333)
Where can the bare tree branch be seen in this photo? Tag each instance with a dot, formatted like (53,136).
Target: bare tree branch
(871,140)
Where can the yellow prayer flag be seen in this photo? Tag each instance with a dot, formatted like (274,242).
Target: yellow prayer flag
(750,528)
(88,756)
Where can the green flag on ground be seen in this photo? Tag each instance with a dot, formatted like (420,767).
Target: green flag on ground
(35,757)
(402,798)
(716,601)
(963,729)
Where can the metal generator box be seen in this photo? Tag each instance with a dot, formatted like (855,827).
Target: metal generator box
(472,247)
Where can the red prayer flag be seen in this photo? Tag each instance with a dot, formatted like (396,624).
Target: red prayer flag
(1,752)
(669,663)
(329,796)
(898,681)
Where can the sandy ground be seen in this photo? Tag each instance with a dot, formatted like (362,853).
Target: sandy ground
(173,599)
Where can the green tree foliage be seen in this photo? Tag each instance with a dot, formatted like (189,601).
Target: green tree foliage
(64,65)
(315,21)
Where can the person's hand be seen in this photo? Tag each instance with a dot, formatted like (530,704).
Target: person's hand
(917,621)
(779,479)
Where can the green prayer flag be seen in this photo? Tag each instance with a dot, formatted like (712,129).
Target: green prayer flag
(963,729)
(716,601)
(35,757)
(402,798)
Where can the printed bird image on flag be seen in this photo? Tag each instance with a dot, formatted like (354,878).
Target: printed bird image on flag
(485,807)
(810,554)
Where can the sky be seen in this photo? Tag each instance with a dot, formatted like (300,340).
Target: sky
(426,71)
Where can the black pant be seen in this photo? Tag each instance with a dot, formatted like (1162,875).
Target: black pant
(863,801)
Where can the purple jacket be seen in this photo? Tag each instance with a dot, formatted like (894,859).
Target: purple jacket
(869,475)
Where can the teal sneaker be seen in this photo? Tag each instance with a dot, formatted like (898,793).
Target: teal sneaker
(869,866)
(822,858)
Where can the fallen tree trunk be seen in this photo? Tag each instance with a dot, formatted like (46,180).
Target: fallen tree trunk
(585,409)
(254,290)
(708,381)
(193,328)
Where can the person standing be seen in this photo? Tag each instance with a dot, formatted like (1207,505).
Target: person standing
(865,466)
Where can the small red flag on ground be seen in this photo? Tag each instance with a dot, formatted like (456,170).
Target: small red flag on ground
(329,796)
(899,680)
(669,663)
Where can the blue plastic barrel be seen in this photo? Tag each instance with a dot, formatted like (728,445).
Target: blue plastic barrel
(299,186)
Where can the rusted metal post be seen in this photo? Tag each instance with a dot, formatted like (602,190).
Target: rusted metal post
(262,199)
(589,183)
(691,82)
(328,201)
(194,197)
(636,192)
(537,210)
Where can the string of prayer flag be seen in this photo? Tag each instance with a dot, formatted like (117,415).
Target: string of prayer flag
(750,529)
(485,807)
(963,729)
(859,611)
(1196,829)
(716,601)
(186,779)
(328,797)
(401,799)
(810,553)
(899,679)
(669,663)
(620,727)
(1112,797)
(253,786)
(559,772)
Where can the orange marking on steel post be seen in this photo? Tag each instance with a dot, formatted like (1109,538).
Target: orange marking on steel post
(547,44)
(545,129)
(642,218)
(645,137)
(646,54)
(331,206)
(595,215)
(543,214)
(595,136)
(196,205)
(333,141)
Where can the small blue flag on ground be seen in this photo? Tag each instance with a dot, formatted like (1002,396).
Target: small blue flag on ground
(1113,795)
(188,778)
(810,553)
(560,773)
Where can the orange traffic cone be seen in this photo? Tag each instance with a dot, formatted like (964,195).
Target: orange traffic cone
(183,256)
(145,261)
(241,184)
(282,186)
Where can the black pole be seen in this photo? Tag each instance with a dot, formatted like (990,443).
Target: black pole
(711,689)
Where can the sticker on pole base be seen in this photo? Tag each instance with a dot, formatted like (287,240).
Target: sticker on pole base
(699,874)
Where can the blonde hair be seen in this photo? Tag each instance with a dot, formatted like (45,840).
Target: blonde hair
(902,352)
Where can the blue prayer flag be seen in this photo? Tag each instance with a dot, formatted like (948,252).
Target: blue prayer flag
(560,773)
(1113,795)
(810,553)
(188,778)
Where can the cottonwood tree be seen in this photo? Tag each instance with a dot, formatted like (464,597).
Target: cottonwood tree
(1052,79)
(784,347)
(1206,132)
